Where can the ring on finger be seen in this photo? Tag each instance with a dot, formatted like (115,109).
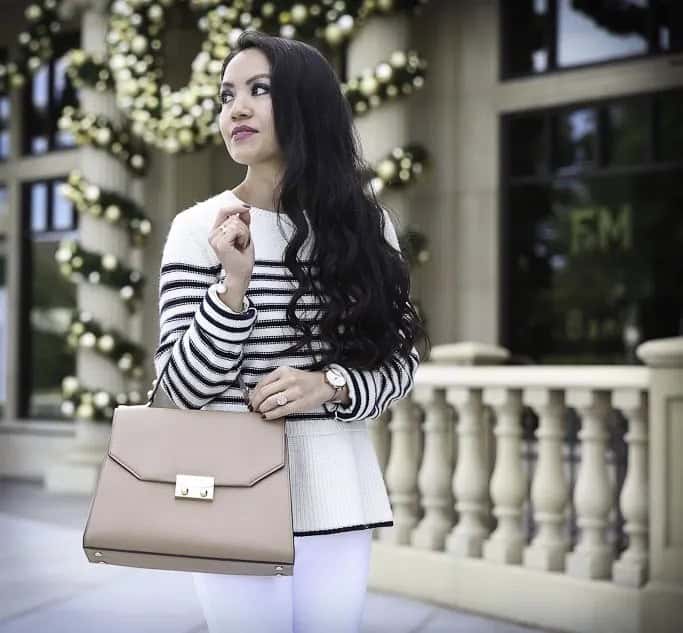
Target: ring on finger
(281,399)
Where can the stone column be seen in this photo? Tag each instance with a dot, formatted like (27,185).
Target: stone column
(662,596)
(78,469)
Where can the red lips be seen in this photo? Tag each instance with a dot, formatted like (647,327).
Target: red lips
(242,128)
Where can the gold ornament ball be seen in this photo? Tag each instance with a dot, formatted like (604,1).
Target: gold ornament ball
(369,85)
(346,24)
(69,385)
(88,339)
(384,72)
(333,35)
(386,170)
(112,213)
(85,411)
(299,13)
(109,261)
(105,343)
(67,408)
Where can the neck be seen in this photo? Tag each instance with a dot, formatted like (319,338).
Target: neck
(260,186)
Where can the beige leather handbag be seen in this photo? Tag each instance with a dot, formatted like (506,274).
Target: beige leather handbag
(193,490)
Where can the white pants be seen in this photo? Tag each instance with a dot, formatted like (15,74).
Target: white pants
(326,594)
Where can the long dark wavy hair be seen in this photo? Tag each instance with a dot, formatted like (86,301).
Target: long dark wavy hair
(362,282)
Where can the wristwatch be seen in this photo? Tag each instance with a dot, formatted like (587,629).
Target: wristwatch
(334,378)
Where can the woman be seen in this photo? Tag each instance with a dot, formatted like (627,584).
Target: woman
(322,330)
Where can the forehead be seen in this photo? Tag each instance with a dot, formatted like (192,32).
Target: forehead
(246,64)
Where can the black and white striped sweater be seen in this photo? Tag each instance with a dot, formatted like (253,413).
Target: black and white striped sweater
(208,343)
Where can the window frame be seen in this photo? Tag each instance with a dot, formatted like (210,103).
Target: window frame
(651,163)
(63,43)
(551,40)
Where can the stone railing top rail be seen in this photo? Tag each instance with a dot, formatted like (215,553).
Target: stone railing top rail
(606,377)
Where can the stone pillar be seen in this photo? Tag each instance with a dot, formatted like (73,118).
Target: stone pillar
(78,469)
(662,596)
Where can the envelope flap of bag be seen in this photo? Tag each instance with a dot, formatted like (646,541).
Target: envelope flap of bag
(156,444)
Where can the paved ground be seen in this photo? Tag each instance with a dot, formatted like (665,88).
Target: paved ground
(46,584)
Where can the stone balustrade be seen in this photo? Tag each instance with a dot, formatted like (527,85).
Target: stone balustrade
(461,489)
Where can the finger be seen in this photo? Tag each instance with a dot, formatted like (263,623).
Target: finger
(265,387)
(279,412)
(232,229)
(227,211)
(270,403)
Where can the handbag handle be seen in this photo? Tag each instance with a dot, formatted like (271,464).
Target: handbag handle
(157,381)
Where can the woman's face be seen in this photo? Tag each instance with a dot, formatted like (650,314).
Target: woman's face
(245,99)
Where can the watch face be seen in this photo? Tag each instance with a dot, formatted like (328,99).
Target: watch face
(336,378)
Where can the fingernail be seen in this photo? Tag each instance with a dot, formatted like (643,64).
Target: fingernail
(250,408)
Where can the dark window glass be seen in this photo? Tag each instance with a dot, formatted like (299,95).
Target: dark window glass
(596,267)
(669,111)
(49,300)
(50,90)
(527,145)
(669,25)
(3,332)
(525,44)
(546,35)
(627,126)
(575,139)
(593,262)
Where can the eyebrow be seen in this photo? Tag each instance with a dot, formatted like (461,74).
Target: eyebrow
(227,84)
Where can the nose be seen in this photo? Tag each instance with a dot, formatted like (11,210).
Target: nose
(240,108)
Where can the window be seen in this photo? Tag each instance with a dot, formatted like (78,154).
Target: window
(3,300)
(592,226)
(47,93)
(545,35)
(47,300)
(4,115)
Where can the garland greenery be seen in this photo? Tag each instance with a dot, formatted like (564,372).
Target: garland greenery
(76,264)
(85,332)
(107,205)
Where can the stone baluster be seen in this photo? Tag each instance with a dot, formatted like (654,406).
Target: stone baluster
(508,483)
(662,596)
(631,568)
(402,470)
(436,472)
(470,481)
(549,489)
(381,439)
(592,557)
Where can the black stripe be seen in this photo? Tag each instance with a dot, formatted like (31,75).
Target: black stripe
(350,528)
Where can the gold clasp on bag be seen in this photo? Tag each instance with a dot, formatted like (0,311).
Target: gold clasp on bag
(194,487)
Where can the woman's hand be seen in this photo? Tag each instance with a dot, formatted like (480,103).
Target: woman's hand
(230,239)
(304,390)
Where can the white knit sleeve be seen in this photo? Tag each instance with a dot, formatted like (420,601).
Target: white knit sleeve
(372,391)
(200,337)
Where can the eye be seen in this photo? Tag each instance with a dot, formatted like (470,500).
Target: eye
(265,87)
(226,94)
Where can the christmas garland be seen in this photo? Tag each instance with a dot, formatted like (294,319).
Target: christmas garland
(85,332)
(108,205)
(76,264)
(97,406)
(401,74)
